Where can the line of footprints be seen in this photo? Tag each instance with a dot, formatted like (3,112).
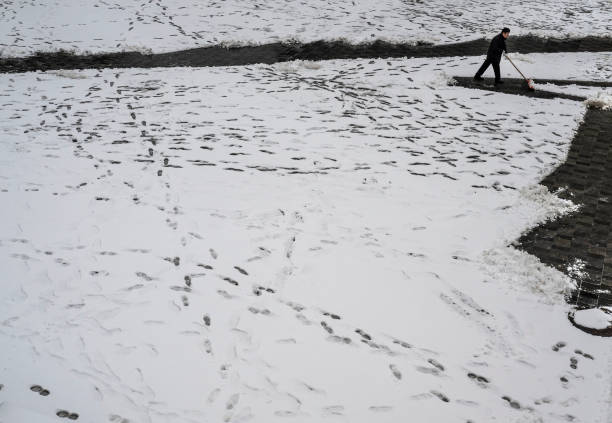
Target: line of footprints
(60,413)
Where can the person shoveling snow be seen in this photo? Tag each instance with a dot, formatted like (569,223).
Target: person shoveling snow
(494,54)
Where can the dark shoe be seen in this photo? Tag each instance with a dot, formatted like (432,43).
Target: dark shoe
(478,78)
(499,82)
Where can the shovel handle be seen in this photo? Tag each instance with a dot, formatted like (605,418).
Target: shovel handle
(517,69)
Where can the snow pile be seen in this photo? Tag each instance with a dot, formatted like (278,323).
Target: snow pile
(572,89)
(441,79)
(68,74)
(550,206)
(296,65)
(137,48)
(594,318)
(602,100)
(576,270)
(518,270)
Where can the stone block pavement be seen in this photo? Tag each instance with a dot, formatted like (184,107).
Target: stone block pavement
(580,244)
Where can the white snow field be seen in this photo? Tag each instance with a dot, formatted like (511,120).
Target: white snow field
(168,25)
(298,242)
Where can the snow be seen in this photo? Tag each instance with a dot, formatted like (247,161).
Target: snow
(121,25)
(295,65)
(594,318)
(576,66)
(324,242)
(68,74)
(601,100)
(593,94)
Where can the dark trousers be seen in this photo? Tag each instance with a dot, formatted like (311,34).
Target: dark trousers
(486,64)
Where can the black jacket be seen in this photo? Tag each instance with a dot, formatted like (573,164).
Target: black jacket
(498,44)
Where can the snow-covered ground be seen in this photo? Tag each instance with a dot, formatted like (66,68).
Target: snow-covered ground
(168,25)
(575,66)
(297,242)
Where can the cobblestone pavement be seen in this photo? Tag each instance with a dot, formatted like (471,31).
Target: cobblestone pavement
(280,52)
(580,244)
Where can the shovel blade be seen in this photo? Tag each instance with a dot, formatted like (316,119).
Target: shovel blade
(530,85)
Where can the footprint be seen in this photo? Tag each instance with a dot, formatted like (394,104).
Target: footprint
(225,294)
(380,408)
(440,395)
(585,355)
(513,403)
(363,334)
(327,328)
(402,343)
(336,410)
(144,276)
(69,415)
(574,363)
(232,401)
(395,371)
(174,260)
(478,378)
(333,316)
(428,370)
(40,390)
(241,270)
(436,364)
(558,346)
(213,395)
(340,339)
(230,280)
(258,290)
(303,319)
(206,319)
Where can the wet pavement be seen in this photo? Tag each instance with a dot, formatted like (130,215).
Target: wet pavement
(512,86)
(282,52)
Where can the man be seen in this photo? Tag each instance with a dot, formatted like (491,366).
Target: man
(494,54)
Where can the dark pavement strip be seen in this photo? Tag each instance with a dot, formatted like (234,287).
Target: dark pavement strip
(512,86)
(586,235)
(282,52)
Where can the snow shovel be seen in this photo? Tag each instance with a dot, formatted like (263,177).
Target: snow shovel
(529,82)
